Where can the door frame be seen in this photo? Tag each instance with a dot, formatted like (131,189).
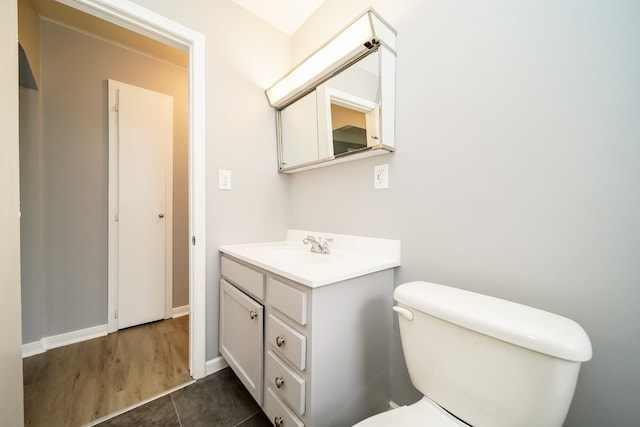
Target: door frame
(146,22)
(114,207)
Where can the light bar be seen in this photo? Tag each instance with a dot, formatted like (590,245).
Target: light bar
(354,41)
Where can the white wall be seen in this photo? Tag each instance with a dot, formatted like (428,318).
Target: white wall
(516,172)
(11,399)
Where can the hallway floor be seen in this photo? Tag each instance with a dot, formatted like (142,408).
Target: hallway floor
(73,385)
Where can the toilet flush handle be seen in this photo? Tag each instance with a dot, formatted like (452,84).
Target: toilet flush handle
(403,312)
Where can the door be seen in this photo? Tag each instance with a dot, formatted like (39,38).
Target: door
(144,140)
(242,336)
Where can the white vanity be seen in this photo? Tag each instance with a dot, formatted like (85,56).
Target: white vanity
(309,334)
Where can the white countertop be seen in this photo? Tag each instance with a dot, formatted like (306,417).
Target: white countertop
(351,256)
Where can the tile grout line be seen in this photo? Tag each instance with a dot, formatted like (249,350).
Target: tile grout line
(246,419)
(139,404)
(175,408)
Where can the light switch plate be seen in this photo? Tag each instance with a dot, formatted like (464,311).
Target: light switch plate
(224,179)
(381,177)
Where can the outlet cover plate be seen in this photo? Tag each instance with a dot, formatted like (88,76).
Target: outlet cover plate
(381,177)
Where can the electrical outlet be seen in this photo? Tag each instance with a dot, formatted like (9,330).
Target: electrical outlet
(224,179)
(380,177)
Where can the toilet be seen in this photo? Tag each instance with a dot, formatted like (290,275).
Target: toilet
(483,361)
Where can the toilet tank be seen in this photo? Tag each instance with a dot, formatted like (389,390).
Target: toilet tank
(488,361)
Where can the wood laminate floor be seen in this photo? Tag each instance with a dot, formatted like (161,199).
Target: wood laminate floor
(73,385)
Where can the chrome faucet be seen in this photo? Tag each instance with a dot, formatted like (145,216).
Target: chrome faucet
(318,246)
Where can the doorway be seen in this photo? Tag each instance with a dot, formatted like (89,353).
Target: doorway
(74,147)
(143,21)
(157,27)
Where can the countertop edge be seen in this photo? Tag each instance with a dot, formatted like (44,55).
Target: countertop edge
(312,283)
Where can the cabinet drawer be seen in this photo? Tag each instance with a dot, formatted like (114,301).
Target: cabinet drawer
(287,342)
(278,412)
(249,280)
(288,300)
(286,383)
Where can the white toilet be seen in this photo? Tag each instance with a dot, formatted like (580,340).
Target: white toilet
(483,361)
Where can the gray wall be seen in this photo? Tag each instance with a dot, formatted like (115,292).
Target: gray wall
(244,55)
(516,172)
(30,231)
(74,173)
(516,169)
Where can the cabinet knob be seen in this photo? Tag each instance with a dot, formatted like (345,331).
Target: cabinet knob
(277,421)
(253,314)
(160,215)
(279,382)
(279,341)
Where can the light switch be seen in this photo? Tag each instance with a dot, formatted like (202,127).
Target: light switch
(224,179)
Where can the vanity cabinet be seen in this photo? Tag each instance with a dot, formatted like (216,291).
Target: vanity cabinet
(326,349)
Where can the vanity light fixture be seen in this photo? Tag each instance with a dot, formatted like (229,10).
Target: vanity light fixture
(362,36)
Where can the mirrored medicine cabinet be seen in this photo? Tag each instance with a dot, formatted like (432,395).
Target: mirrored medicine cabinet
(345,112)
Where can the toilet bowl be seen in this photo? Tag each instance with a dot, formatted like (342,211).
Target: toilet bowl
(483,361)
(424,412)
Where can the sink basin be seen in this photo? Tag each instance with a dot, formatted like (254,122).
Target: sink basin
(291,255)
(351,256)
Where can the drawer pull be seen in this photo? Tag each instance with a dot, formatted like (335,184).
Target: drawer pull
(279,341)
(253,314)
(277,421)
(279,382)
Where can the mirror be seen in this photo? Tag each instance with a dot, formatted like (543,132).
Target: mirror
(299,131)
(340,119)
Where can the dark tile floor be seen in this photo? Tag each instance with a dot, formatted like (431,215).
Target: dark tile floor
(219,399)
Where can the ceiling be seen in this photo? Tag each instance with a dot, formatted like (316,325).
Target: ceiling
(285,15)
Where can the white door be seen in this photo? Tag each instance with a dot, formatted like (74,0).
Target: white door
(145,135)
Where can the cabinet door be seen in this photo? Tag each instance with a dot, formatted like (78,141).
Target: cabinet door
(242,337)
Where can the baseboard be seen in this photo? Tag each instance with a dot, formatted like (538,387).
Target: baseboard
(32,348)
(215,365)
(181,311)
(64,339)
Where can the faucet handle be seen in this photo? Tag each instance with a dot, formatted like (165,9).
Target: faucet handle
(325,245)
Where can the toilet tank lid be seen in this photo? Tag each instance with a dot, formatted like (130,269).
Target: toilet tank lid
(508,321)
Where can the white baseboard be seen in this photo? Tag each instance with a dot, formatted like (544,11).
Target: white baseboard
(32,348)
(215,365)
(180,311)
(64,339)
